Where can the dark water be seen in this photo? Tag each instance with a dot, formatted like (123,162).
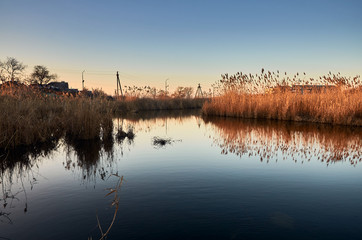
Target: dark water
(210,179)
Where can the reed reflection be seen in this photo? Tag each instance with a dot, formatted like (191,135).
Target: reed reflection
(20,168)
(92,158)
(276,140)
(19,172)
(146,121)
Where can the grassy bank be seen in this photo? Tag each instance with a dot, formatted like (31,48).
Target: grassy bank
(340,105)
(31,117)
(150,104)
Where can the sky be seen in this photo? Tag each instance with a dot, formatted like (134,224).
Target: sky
(186,42)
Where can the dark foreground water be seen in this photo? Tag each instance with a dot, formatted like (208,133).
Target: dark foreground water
(205,179)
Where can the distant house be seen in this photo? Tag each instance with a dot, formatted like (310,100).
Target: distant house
(301,89)
(58,88)
(311,88)
(62,86)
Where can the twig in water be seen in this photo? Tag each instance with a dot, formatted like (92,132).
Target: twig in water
(115,203)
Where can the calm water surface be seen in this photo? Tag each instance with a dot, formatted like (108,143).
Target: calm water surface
(211,179)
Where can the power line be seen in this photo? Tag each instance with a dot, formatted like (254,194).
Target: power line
(97,72)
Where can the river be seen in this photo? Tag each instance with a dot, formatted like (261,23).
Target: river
(187,177)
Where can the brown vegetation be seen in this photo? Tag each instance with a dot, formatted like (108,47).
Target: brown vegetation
(244,96)
(144,104)
(31,116)
(274,141)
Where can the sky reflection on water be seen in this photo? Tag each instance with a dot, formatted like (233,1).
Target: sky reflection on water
(278,180)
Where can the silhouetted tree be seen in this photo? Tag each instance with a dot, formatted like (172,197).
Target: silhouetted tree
(183,92)
(11,69)
(41,75)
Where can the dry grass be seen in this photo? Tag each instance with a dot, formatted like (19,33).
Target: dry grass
(245,99)
(30,117)
(339,107)
(146,104)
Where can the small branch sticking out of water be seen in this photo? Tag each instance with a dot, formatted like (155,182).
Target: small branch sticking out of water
(115,203)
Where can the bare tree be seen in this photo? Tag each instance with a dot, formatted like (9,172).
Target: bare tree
(11,69)
(2,73)
(41,75)
(183,92)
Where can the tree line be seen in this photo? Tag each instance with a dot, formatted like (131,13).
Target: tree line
(12,70)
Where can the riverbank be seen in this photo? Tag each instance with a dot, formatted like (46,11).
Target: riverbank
(30,117)
(335,107)
(332,98)
(156,104)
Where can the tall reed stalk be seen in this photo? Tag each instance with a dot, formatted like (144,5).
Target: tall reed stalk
(30,117)
(242,96)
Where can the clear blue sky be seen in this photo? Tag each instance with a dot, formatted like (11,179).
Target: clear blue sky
(186,41)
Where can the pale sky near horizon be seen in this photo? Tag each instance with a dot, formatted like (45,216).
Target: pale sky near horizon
(187,42)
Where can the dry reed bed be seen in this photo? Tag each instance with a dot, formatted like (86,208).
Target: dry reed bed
(336,107)
(149,104)
(32,118)
(243,95)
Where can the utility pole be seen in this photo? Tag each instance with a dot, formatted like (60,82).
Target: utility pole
(198,92)
(119,86)
(166,86)
(83,80)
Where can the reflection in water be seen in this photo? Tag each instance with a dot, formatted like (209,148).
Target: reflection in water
(91,159)
(159,142)
(198,191)
(23,157)
(146,121)
(172,114)
(277,140)
(20,166)
(123,134)
(89,155)
(19,170)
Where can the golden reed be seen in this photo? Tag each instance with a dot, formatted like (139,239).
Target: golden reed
(268,97)
(31,117)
